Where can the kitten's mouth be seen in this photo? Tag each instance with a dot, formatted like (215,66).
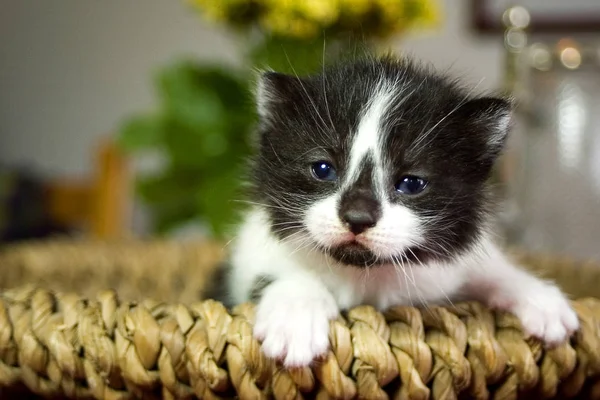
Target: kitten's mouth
(355,254)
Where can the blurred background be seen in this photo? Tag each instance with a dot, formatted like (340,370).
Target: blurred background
(131,119)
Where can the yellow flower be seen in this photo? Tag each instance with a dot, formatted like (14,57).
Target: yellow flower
(307,18)
(390,9)
(220,10)
(430,13)
(212,10)
(287,25)
(355,7)
(300,19)
(401,15)
(320,11)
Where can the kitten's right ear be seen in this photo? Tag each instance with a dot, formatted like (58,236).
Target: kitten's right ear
(274,89)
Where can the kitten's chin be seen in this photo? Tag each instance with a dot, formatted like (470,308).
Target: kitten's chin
(354,254)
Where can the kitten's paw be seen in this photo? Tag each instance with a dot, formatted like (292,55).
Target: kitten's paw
(545,313)
(296,330)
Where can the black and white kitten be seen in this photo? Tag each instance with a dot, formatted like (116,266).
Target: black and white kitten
(370,187)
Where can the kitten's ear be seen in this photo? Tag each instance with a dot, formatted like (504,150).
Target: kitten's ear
(491,117)
(274,88)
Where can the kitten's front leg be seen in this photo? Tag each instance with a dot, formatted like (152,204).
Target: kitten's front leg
(544,311)
(292,319)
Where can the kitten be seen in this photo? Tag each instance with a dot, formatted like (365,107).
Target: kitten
(370,187)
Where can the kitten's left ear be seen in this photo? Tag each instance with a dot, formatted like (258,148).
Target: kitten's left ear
(491,117)
(272,90)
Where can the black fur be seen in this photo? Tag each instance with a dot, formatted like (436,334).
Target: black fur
(314,118)
(260,284)
(217,287)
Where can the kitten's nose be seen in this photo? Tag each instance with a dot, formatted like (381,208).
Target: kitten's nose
(359,221)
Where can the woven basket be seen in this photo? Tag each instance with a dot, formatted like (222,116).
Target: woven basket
(65,333)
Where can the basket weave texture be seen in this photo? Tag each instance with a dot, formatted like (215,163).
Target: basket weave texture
(65,334)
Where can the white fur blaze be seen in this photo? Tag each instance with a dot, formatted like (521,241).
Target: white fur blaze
(368,137)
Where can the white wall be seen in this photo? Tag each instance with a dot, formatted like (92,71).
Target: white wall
(71,70)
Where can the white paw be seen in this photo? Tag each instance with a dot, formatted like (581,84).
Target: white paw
(545,313)
(294,329)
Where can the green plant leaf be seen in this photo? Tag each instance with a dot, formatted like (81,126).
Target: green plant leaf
(288,55)
(207,109)
(167,219)
(219,197)
(202,126)
(185,146)
(171,197)
(141,132)
(201,96)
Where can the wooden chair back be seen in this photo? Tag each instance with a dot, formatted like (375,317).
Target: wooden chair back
(100,205)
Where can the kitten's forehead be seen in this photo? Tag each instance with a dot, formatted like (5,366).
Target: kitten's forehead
(384,98)
(367,140)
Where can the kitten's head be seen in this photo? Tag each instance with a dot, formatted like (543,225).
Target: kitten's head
(376,161)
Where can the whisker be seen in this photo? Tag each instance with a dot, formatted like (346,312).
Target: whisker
(401,265)
(421,299)
(324,85)
(428,271)
(314,106)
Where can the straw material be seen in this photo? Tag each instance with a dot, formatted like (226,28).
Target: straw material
(102,346)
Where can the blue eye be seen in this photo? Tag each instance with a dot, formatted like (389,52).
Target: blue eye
(324,171)
(410,184)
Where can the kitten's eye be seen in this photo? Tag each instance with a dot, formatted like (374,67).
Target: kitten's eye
(410,184)
(324,171)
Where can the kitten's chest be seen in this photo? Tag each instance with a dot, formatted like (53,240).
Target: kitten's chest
(387,286)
